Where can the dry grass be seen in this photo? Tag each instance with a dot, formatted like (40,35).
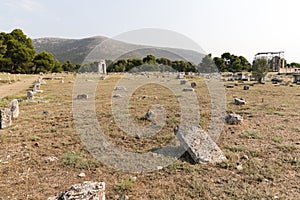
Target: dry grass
(266,145)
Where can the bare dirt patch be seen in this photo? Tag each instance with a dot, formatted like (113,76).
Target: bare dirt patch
(266,145)
(18,86)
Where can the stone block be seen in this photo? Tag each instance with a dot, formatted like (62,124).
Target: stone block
(30,95)
(233,119)
(240,101)
(199,144)
(83,191)
(193,84)
(5,118)
(14,108)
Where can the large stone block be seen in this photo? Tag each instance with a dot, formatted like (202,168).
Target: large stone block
(14,108)
(30,95)
(199,144)
(240,101)
(233,119)
(5,118)
(84,191)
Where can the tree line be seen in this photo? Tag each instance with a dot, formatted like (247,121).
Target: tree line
(150,63)
(17,55)
(226,63)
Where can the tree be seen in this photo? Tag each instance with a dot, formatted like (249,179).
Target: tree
(220,63)
(246,66)
(137,62)
(149,59)
(207,65)
(232,63)
(260,69)
(43,62)
(2,49)
(19,52)
(164,61)
(57,67)
(294,64)
(68,66)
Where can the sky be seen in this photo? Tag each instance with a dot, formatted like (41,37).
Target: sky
(240,27)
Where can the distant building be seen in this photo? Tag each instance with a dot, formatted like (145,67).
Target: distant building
(276,60)
(101,64)
(289,70)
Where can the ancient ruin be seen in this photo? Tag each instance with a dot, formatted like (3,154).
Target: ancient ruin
(233,119)
(83,191)
(5,118)
(14,108)
(199,144)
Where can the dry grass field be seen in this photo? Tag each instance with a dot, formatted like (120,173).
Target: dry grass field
(266,145)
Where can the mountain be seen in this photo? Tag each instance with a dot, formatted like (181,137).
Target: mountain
(88,49)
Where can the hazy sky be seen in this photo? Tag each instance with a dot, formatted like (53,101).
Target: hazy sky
(242,27)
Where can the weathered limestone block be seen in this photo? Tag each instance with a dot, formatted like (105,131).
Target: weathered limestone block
(188,90)
(199,144)
(30,95)
(117,96)
(149,114)
(233,119)
(193,84)
(119,88)
(246,87)
(182,82)
(240,101)
(14,108)
(82,96)
(5,118)
(179,76)
(39,80)
(37,86)
(35,90)
(85,191)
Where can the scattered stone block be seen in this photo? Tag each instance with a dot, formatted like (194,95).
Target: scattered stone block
(51,159)
(239,101)
(82,96)
(149,114)
(117,96)
(81,175)
(239,167)
(14,108)
(45,112)
(199,144)
(37,91)
(85,191)
(182,82)
(246,87)
(39,80)
(119,88)
(233,119)
(229,86)
(30,95)
(193,84)
(37,86)
(102,77)
(179,76)
(5,118)
(188,90)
